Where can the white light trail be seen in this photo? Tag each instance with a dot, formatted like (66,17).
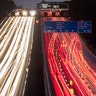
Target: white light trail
(16,58)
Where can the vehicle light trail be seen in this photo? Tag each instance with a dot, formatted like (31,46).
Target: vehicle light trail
(17,34)
(72,74)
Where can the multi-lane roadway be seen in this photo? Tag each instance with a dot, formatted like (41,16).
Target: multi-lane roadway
(71,64)
(16,38)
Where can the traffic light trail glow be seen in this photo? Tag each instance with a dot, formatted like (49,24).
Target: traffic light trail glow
(71,72)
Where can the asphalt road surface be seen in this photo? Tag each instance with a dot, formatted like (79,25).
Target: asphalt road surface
(35,82)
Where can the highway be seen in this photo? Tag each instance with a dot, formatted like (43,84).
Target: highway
(72,66)
(16,39)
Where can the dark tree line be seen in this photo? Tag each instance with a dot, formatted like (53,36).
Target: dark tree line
(5,7)
(85,10)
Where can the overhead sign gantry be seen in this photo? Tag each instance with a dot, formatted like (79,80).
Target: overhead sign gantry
(55,6)
(61,9)
(51,9)
(68,26)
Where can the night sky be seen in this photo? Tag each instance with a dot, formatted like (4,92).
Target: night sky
(32,3)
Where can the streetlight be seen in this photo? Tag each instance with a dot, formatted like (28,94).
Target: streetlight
(32,13)
(16,13)
(24,13)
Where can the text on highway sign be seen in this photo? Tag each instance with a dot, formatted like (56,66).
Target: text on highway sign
(68,26)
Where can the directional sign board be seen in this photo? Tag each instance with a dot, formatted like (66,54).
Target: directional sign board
(68,26)
(53,5)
